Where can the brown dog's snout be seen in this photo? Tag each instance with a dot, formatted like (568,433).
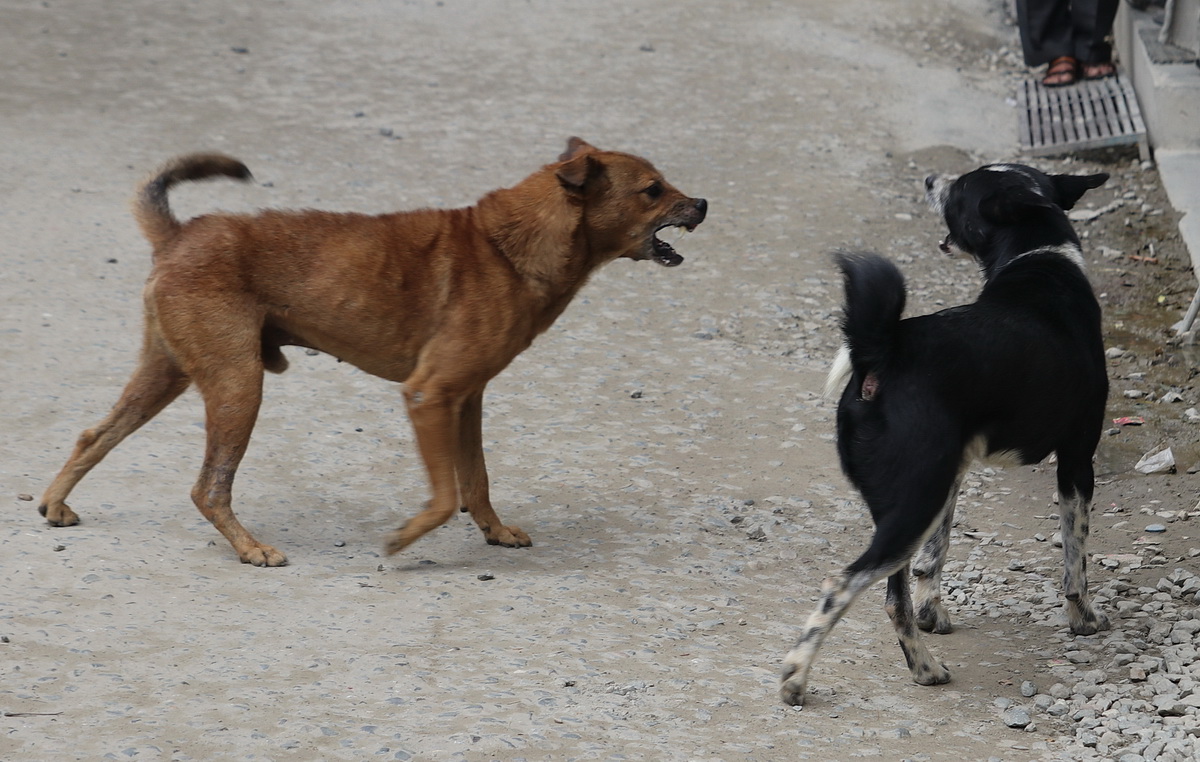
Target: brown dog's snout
(694,210)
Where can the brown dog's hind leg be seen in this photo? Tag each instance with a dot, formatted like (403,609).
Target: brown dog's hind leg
(155,383)
(232,394)
(473,479)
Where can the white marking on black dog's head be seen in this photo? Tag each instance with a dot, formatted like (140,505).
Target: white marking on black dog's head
(937,187)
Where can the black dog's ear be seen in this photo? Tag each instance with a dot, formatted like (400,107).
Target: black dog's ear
(1071,187)
(1011,205)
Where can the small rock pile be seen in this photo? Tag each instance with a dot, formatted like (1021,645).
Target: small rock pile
(1144,704)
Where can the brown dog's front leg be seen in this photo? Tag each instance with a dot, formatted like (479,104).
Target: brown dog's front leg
(434,419)
(473,478)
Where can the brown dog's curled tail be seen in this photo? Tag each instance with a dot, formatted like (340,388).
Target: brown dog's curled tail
(150,205)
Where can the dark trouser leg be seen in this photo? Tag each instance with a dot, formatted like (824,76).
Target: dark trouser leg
(1091,24)
(1045,27)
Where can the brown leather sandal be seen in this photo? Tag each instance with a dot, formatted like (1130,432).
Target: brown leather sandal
(1062,72)
(1097,70)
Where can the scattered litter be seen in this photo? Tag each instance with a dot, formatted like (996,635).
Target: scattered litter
(1156,463)
(1117,560)
(975,534)
(1129,420)
(1156,528)
(1171,397)
(1087,215)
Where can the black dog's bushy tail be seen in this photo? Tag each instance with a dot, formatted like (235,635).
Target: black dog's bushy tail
(874,302)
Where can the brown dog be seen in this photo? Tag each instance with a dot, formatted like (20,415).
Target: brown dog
(441,300)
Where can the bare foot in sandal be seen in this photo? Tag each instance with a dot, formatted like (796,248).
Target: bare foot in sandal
(1062,72)
(1098,70)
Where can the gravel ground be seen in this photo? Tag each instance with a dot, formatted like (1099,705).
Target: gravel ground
(664,444)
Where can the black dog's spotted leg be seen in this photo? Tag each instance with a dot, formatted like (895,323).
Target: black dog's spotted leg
(932,615)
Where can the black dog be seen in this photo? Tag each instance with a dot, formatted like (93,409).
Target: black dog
(1015,376)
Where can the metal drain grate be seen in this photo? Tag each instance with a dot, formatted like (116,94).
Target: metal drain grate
(1096,113)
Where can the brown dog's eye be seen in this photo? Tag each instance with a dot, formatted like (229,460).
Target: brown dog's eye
(654,190)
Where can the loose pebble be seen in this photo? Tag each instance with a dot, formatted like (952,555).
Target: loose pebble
(1016,717)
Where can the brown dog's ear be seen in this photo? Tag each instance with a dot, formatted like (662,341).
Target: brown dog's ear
(575,172)
(575,146)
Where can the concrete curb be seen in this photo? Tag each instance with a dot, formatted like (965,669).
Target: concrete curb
(1168,91)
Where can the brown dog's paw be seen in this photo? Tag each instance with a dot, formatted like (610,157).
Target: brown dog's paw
(509,537)
(398,540)
(263,555)
(59,515)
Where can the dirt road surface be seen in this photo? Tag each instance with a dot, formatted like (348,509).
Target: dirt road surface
(664,444)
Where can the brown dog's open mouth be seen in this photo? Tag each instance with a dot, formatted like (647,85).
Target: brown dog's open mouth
(664,253)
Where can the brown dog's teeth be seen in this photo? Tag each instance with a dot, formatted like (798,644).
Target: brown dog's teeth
(665,254)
